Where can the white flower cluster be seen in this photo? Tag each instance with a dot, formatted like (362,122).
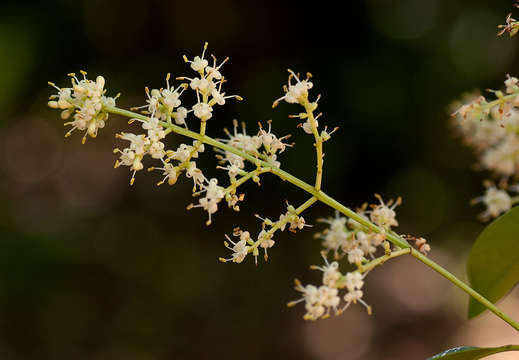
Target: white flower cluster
(298,94)
(207,85)
(84,102)
(321,301)
(264,145)
(265,237)
(497,201)
(491,128)
(164,104)
(349,238)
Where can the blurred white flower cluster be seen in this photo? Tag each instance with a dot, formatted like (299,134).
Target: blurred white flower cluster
(491,128)
(84,102)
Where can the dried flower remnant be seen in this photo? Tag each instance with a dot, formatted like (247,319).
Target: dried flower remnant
(511,25)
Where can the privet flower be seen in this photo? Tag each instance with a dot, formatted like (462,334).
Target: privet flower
(496,200)
(84,103)
(296,93)
(491,128)
(207,85)
(164,104)
(321,301)
(347,238)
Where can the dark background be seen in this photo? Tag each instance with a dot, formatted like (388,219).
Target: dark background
(93,269)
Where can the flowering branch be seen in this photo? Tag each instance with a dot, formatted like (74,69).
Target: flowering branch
(357,237)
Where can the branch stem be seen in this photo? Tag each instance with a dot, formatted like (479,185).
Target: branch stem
(318,145)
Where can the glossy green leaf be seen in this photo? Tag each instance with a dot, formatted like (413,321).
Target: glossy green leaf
(471,353)
(493,264)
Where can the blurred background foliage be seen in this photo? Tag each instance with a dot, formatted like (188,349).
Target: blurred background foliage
(93,269)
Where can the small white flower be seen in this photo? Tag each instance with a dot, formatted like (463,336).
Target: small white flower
(331,274)
(239,250)
(198,63)
(307,126)
(271,142)
(192,172)
(202,111)
(355,256)
(213,71)
(171,98)
(201,84)
(126,158)
(384,215)
(296,93)
(156,150)
(354,281)
(180,116)
(329,296)
(181,154)
(318,301)
(497,202)
(367,242)
(353,296)
(138,143)
(170,173)
(266,240)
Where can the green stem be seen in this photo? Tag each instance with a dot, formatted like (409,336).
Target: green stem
(453,279)
(322,197)
(318,145)
(280,224)
(245,178)
(508,348)
(380,260)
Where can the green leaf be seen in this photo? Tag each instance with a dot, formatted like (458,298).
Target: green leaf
(493,264)
(471,352)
